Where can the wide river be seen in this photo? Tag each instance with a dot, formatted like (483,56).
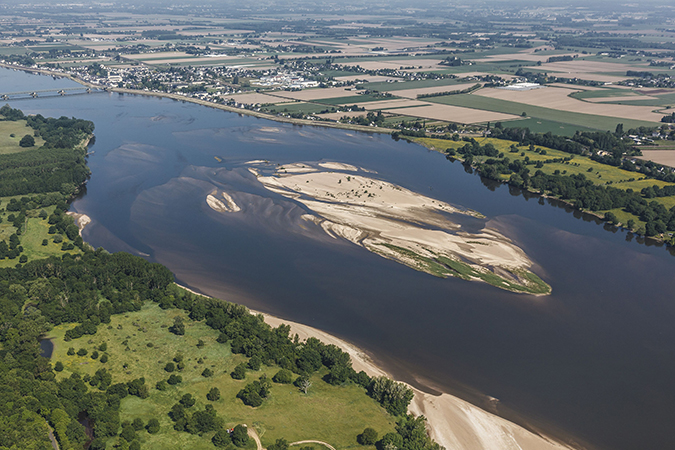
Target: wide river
(593,362)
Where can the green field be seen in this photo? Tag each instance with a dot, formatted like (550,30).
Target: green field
(140,345)
(308,108)
(600,174)
(544,126)
(538,112)
(18,128)
(384,86)
(605,93)
(36,230)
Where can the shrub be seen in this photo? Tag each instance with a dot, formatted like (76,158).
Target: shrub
(284,376)
(94,354)
(170,367)
(161,385)
(174,379)
(104,358)
(254,363)
(240,436)
(45,242)
(239,372)
(82,352)
(138,424)
(368,437)
(280,444)
(188,401)
(58,366)
(221,439)
(213,395)
(153,426)
(207,373)
(103,347)
(71,351)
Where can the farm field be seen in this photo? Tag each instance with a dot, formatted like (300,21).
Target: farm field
(545,126)
(139,344)
(559,99)
(413,93)
(508,107)
(453,114)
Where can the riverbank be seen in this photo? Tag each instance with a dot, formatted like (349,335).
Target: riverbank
(197,101)
(453,423)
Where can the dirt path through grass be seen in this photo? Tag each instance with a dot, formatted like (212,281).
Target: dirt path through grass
(313,442)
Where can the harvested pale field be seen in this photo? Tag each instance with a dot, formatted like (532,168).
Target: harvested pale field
(253,98)
(413,93)
(456,114)
(317,94)
(556,98)
(141,56)
(583,66)
(665,157)
(337,116)
(520,56)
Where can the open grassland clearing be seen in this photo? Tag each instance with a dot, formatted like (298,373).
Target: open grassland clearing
(139,344)
(559,99)
(508,107)
(11,133)
(36,230)
(453,114)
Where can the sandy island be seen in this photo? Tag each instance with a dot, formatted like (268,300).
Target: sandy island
(401,225)
(454,423)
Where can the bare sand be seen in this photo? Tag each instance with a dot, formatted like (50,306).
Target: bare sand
(81,220)
(227,204)
(453,422)
(557,98)
(398,224)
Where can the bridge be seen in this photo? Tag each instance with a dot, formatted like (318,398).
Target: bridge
(48,93)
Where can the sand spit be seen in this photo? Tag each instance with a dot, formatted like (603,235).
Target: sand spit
(453,422)
(227,205)
(81,220)
(403,226)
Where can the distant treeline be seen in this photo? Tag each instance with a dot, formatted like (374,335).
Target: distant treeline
(576,189)
(57,166)
(441,94)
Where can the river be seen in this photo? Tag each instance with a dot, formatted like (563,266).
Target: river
(593,362)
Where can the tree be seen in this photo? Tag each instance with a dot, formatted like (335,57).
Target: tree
(170,367)
(58,366)
(27,141)
(188,401)
(239,372)
(174,379)
(619,129)
(207,373)
(280,444)
(104,358)
(368,437)
(45,242)
(153,426)
(303,383)
(82,352)
(284,376)
(254,363)
(221,439)
(213,395)
(611,217)
(178,327)
(138,424)
(240,436)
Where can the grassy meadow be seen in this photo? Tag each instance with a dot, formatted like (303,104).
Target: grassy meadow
(11,133)
(139,344)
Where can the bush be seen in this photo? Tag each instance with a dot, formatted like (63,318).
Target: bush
(45,242)
(23,259)
(104,358)
(94,354)
(58,366)
(280,444)
(368,437)
(284,376)
(27,141)
(240,436)
(174,379)
(188,401)
(213,395)
(221,439)
(170,367)
(254,363)
(153,426)
(138,424)
(239,372)
(103,347)
(58,239)
(207,373)
(82,352)
(71,351)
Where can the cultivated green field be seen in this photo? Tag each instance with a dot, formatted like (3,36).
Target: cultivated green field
(140,345)
(544,126)
(18,128)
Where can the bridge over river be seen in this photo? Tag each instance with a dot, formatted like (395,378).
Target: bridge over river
(48,93)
